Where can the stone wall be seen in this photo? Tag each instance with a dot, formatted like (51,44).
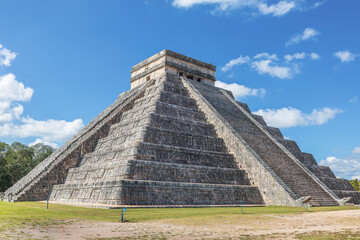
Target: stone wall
(38,183)
(272,189)
(175,158)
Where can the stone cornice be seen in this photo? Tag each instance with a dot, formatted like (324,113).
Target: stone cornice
(174,55)
(173,65)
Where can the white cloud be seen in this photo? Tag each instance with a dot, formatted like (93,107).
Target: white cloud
(292,117)
(295,56)
(6,56)
(345,56)
(234,62)
(9,113)
(12,124)
(42,141)
(240,91)
(265,63)
(308,33)
(354,100)
(49,130)
(318,4)
(265,55)
(345,168)
(257,6)
(314,56)
(279,9)
(302,55)
(221,5)
(356,150)
(268,67)
(12,90)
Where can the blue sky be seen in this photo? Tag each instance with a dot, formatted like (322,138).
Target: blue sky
(296,62)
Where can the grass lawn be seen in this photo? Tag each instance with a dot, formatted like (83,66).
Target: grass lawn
(36,213)
(14,216)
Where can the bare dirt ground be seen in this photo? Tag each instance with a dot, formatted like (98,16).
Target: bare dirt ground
(287,226)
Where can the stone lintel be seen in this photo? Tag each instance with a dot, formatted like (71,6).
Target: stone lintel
(174,66)
(174,63)
(174,55)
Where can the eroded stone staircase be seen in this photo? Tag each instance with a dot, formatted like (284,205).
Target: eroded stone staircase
(37,184)
(162,152)
(299,172)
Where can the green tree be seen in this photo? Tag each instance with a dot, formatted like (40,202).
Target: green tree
(356,184)
(41,152)
(5,178)
(17,160)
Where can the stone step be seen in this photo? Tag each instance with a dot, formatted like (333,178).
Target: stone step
(245,106)
(156,171)
(174,154)
(183,110)
(291,146)
(121,138)
(150,98)
(179,100)
(307,159)
(166,109)
(337,183)
(170,172)
(164,122)
(168,97)
(184,139)
(108,147)
(166,86)
(177,85)
(141,192)
(137,111)
(157,121)
(175,88)
(157,87)
(321,171)
(259,119)
(181,124)
(129,125)
(179,111)
(110,153)
(355,195)
(275,132)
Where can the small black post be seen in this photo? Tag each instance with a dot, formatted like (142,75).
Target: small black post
(241,207)
(47,203)
(122,214)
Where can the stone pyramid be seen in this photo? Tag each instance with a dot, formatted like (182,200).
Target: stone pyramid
(174,139)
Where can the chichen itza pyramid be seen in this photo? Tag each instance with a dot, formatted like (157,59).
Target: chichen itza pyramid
(174,139)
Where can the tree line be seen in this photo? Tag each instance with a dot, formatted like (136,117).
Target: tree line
(355,183)
(17,160)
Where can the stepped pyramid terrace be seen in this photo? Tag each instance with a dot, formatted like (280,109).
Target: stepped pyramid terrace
(174,139)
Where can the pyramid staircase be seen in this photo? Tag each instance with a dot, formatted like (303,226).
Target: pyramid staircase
(297,170)
(174,139)
(162,152)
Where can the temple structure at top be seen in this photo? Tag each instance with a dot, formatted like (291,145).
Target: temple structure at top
(173,63)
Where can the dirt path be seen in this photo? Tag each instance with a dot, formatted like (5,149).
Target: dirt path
(225,227)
